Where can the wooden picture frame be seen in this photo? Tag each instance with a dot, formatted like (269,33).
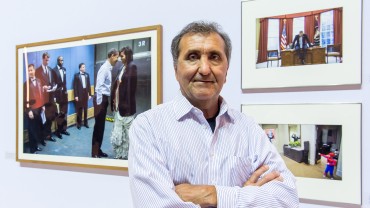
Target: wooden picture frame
(92,50)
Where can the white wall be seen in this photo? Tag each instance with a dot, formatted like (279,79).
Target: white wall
(44,186)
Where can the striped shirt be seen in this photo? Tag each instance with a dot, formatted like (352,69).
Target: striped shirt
(174,144)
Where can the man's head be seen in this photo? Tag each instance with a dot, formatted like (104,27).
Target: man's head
(45,58)
(113,56)
(201,54)
(82,67)
(60,61)
(31,70)
(300,33)
(126,55)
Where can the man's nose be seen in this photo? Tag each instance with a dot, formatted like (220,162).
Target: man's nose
(204,66)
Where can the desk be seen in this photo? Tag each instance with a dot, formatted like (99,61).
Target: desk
(313,56)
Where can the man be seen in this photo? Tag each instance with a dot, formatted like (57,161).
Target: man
(102,92)
(123,103)
(46,76)
(197,152)
(301,43)
(61,97)
(82,93)
(34,103)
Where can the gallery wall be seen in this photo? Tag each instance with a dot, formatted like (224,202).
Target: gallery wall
(44,186)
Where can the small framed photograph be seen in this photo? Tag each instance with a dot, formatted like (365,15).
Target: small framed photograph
(320,145)
(293,45)
(56,85)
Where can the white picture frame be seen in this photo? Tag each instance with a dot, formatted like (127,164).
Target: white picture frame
(348,115)
(328,76)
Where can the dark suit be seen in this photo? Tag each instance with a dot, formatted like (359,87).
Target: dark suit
(127,90)
(82,94)
(35,103)
(61,97)
(48,80)
(302,50)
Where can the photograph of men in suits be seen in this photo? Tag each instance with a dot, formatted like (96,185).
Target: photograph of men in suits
(300,44)
(61,97)
(82,94)
(33,107)
(46,75)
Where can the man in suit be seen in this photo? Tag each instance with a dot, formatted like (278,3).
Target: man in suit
(46,76)
(33,108)
(82,93)
(301,43)
(61,97)
(101,102)
(123,103)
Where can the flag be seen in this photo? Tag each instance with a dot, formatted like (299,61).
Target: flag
(283,38)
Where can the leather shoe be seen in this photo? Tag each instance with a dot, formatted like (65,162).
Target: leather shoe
(102,154)
(86,125)
(43,143)
(51,139)
(38,149)
(78,127)
(59,135)
(66,133)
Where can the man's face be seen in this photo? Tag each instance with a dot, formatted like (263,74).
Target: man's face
(113,59)
(45,60)
(83,68)
(202,66)
(60,61)
(300,34)
(31,72)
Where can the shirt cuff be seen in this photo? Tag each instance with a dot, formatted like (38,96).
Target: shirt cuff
(227,196)
(98,99)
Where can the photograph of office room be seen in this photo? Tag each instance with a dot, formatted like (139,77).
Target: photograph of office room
(61,123)
(306,38)
(311,151)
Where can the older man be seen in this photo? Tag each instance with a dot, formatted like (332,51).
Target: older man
(197,152)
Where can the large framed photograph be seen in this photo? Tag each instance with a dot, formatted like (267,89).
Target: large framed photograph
(76,97)
(320,144)
(294,45)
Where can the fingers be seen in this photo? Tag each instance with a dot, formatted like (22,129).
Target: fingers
(256,180)
(267,178)
(256,175)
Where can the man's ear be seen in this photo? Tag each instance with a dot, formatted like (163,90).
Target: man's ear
(175,68)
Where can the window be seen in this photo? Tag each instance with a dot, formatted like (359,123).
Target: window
(298,25)
(273,35)
(327,28)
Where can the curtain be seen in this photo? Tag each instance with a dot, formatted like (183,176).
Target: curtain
(309,27)
(289,30)
(337,23)
(262,45)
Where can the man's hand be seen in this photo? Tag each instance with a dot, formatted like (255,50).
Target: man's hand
(256,180)
(204,195)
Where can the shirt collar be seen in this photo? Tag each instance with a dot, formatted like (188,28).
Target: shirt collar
(183,107)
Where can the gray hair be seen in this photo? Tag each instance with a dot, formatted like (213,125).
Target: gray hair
(112,52)
(202,28)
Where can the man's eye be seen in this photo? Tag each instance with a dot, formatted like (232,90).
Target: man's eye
(215,57)
(193,56)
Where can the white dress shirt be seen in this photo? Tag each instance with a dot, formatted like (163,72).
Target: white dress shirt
(103,81)
(174,144)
